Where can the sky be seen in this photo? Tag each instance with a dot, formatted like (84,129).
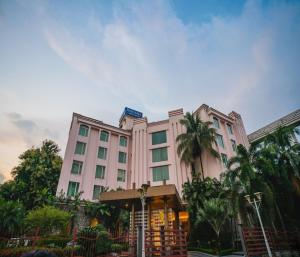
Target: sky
(96,57)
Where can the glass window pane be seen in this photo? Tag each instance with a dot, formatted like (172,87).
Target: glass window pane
(73,188)
(76,167)
(224,159)
(220,141)
(233,145)
(100,171)
(123,141)
(122,157)
(121,175)
(159,137)
(229,128)
(104,136)
(216,122)
(80,148)
(83,130)
(97,191)
(160,173)
(102,152)
(160,154)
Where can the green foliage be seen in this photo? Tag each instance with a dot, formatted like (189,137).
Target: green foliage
(19,251)
(94,240)
(96,210)
(54,241)
(48,219)
(116,248)
(11,216)
(199,136)
(35,178)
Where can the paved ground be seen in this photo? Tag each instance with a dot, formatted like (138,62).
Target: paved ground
(198,254)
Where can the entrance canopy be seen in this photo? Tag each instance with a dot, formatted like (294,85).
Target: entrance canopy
(157,195)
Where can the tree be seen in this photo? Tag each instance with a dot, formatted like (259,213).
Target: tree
(12,214)
(47,219)
(215,211)
(199,137)
(35,178)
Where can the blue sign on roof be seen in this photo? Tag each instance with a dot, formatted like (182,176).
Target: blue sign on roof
(133,113)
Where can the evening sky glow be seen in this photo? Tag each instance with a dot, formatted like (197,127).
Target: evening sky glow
(96,57)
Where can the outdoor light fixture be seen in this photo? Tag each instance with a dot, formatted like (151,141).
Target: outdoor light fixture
(143,193)
(255,202)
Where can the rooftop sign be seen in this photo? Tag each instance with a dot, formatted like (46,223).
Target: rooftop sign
(132,113)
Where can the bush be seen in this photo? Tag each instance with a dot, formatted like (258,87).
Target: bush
(17,252)
(54,241)
(48,219)
(116,248)
(12,214)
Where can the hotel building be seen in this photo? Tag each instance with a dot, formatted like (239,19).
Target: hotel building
(100,156)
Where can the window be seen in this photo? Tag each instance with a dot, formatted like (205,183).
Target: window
(160,154)
(216,122)
(233,145)
(76,167)
(102,152)
(100,171)
(97,191)
(83,130)
(159,137)
(220,141)
(229,129)
(123,141)
(80,148)
(224,159)
(73,188)
(104,136)
(121,175)
(122,157)
(160,173)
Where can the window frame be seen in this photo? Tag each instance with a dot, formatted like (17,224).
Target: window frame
(164,176)
(105,153)
(160,154)
(101,189)
(233,143)
(156,133)
(224,159)
(229,129)
(77,184)
(87,130)
(80,167)
(104,132)
(216,121)
(102,171)
(123,177)
(125,140)
(84,148)
(222,140)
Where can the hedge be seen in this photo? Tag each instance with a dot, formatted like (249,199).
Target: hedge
(19,251)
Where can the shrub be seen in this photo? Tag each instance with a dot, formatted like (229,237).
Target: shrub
(54,241)
(12,214)
(47,219)
(17,252)
(116,248)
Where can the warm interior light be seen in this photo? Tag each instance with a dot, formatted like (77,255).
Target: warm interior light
(94,222)
(183,216)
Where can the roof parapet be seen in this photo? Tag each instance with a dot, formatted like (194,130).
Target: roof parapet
(175,112)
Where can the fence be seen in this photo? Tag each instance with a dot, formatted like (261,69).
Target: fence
(278,241)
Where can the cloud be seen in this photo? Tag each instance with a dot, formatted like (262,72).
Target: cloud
(146,53)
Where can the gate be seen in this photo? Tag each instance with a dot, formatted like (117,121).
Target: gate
(163,242)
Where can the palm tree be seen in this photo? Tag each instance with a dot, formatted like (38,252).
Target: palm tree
(215,211)
(199,136)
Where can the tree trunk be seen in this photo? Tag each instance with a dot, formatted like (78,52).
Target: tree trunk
(199,167)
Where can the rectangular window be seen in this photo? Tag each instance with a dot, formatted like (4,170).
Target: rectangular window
(100,171)
(76,167)
(122,157)
(123,141)
(121,175)
(216,122)
(73,188)
(224,159)
(229,129)
(104,136)
(233,145)
(220,141)
(97,191)
(102,152)
(160,154)
(83,130)
(80,148)
(160,173)
(159,137)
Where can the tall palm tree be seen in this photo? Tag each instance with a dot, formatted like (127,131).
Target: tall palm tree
(199,136)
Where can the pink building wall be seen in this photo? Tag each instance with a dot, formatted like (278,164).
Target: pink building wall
(139,148)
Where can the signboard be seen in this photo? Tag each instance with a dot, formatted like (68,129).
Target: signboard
(133,113)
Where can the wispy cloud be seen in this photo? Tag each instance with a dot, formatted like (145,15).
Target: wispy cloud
(148,54)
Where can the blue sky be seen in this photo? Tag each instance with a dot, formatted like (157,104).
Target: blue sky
(96,57)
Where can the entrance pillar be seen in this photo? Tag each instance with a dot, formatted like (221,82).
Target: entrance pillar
(166,211)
